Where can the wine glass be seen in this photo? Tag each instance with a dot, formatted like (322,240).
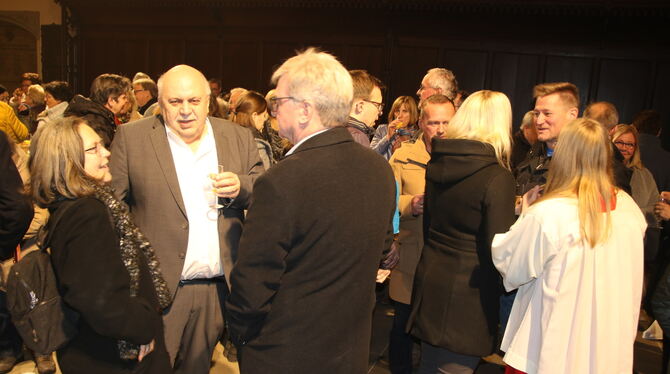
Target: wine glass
(215,198)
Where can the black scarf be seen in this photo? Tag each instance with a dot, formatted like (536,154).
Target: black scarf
(131,243)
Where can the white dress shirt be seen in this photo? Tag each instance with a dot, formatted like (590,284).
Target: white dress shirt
(203,259)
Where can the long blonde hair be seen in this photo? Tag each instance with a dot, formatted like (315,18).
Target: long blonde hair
(485,116)
(582,166)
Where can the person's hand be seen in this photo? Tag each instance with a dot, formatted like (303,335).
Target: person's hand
(392,257)
(530,196)
(226,184)
(662,208)
(392,127)
(417,205)
(382,274)
(145,349)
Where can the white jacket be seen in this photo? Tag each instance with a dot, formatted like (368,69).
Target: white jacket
(577,308)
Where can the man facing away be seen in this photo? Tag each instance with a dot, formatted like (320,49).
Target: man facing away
(303,285)
(366,106)
(187,179)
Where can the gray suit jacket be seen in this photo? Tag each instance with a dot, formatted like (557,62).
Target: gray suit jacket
(144,176)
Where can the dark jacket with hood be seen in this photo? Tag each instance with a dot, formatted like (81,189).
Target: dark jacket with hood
(469,199)
(97,116)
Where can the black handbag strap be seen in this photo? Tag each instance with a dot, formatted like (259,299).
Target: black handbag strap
(45,232)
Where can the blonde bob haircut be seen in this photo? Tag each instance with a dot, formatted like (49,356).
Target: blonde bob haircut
(57,163)
(582,167)
(485,116)
(318,77)
(411,106)
(36,94)
(634,161)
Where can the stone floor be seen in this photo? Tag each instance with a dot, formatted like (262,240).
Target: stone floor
(647,353)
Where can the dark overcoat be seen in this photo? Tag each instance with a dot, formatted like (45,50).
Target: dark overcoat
(469,198)
(303,285)
(93,280)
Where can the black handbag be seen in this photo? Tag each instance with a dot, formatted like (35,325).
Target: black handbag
(38,311)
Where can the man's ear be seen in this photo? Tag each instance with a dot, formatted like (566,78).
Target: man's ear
(573,112)
(305,113)
(357,107)
(110,103)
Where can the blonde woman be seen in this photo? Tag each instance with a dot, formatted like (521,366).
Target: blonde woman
(642,183)
(575,254)
(469,198)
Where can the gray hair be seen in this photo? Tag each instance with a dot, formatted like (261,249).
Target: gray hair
(444,80)
(319,77)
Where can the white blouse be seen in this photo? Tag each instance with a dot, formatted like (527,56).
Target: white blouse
(577,307)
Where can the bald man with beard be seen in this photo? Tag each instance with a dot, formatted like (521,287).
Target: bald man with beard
(166,167)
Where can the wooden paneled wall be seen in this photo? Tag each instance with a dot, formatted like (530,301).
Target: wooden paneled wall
(619,58)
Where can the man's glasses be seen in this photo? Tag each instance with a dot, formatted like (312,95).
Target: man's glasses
(379,106)
(275,102)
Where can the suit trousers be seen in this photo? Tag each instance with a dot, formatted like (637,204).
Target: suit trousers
(194,324)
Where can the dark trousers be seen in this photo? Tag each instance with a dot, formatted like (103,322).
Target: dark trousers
(400,343)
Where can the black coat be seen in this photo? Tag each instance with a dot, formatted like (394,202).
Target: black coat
(16,211)
(533,170)
(97,116)
(303,285)
(469,198)
(93,281)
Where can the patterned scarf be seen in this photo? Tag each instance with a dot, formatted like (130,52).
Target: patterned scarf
(131,243)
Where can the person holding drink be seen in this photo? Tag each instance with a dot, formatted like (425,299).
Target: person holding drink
(402,126)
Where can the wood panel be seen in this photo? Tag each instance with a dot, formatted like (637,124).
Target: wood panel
(468,66)
(206,56)
(164,53)
(410,64)
(241,65)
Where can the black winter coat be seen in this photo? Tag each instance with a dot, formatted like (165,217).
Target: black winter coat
(469,198)
(16,211)
(93,281)
(97,116)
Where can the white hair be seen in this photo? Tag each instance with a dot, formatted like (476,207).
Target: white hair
(319,77)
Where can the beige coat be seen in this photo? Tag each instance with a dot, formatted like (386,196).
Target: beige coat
(409,168)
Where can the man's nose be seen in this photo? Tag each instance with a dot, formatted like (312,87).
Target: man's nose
(185,108)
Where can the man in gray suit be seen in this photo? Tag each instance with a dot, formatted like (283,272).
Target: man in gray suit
(187,179)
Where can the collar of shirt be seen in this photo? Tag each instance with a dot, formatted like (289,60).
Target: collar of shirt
(304,140)
(206,140)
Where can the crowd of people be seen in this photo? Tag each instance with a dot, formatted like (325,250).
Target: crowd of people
(181,216)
